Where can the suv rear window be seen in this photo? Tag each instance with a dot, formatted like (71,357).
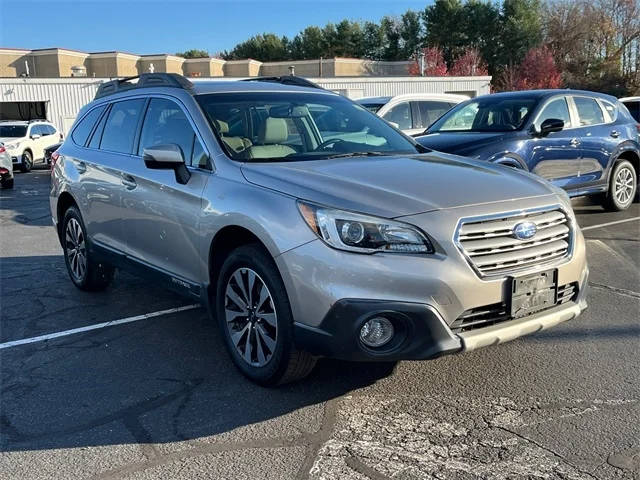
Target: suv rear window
(120,129)
(83,129)
(589,111)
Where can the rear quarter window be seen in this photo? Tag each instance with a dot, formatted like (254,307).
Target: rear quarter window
(120,129)
(81,132)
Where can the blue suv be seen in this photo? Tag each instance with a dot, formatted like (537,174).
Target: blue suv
(584,142)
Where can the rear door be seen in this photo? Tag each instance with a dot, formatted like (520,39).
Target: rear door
(426,112)
(400,116)
(107,154)
(556,156)
(162,215)
(598,140)
(38,144)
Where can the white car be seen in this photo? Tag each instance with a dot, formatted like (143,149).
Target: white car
(413,112)
(6,168)
(25,141)
(633,105)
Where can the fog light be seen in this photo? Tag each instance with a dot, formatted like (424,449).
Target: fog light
(376,332)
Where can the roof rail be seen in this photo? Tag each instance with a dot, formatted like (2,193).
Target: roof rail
(144,80)
(285,80)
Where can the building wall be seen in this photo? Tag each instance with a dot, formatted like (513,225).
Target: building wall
(12,63)
(65,62)
(242,68)
(46,65)
(126,67)
(203,67)
(102,67)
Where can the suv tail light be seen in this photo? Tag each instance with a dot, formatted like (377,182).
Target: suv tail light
(54,158)
(2,149)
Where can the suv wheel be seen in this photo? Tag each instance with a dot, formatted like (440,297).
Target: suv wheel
(27,162)
(85,272)
(255,318)
(623,186)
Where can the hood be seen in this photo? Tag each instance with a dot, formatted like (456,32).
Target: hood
(460,143)
(395,186)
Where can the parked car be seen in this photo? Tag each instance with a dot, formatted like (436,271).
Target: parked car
(354,247)
(633,105)
(26,141)
(49,151)
(584,142)
(412,113)
(6,168)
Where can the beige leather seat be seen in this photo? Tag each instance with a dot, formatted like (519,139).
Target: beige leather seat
(237,144)
(271,137)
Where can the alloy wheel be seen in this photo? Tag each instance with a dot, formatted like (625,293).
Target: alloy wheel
(250,316)
(623,186)
(76,249)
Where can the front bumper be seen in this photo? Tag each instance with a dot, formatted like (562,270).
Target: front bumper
(332,293)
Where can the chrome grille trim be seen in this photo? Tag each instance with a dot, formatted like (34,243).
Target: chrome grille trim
(489,247)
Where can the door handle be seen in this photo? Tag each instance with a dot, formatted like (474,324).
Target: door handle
(128,181)
(81,167)
(615,134)
(574,142)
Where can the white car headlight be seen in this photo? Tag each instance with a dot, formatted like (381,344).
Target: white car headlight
(361,233)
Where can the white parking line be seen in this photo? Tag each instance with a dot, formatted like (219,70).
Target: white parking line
(96,326)
(591,227)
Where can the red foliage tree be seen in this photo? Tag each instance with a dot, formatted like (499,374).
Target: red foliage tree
(434,64)
(538,70)
(469,64)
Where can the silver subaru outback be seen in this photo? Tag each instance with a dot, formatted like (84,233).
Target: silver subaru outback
(308,226)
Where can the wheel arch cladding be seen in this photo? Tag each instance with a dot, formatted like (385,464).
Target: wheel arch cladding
(632,157)
(65,200)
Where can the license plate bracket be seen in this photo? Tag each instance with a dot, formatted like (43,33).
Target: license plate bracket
(533,293)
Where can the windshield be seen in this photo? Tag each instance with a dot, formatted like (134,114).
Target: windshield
(490,114)
(268,126)
(13,131)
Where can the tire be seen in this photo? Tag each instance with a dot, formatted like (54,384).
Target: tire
(85,272)
(7,183)
(263,328)
(27,162)
(623,187)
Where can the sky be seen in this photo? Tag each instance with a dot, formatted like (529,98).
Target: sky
(149,27)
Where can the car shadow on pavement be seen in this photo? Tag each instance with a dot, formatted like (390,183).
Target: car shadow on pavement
(159,381)
(27,203)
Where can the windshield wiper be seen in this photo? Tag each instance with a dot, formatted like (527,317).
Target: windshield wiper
(358,154)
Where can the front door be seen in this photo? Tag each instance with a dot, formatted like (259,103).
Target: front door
(556,156)
(163,216)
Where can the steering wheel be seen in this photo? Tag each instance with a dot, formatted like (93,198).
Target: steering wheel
(331,141)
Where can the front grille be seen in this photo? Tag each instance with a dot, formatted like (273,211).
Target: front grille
(496,313)
(492,249)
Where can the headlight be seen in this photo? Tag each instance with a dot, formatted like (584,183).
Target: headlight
(360,233)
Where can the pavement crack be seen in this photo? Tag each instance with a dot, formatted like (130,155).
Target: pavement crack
(549,450)
(354,463)
(324,434)
(620,291)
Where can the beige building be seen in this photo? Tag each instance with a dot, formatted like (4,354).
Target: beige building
(60,62)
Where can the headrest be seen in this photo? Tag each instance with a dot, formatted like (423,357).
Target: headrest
(272,131)
(223,127)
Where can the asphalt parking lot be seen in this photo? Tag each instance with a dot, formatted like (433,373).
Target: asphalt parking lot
(159,397)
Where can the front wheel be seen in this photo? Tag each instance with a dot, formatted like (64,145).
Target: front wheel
(85,271)
(255,318)
(27,162)
(623,186)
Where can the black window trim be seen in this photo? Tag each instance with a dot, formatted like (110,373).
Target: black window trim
(94,129)
(77,123)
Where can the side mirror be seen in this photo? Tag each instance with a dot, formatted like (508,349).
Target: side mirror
(551,125)
(35,136)
(167,157)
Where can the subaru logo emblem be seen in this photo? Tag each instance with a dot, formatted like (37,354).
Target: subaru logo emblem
(525,230)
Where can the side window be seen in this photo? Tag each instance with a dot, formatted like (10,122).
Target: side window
(430,111)
(51,130)
(165,122)
(36,130)
(400,115)
(556,109)
(611,110)
(81,132)
(120,129)
(589,111)
(199,157)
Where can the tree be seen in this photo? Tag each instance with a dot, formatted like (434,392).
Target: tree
(434,64)
(267,47)
(372,41)
(411,33)
(391,49)
(520,29)
(481,27)
(537,70)
(443,21)
(193,53)
(308,44)
(470,63)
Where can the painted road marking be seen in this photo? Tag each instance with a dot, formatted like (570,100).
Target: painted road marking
(591,227)
(96,326)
